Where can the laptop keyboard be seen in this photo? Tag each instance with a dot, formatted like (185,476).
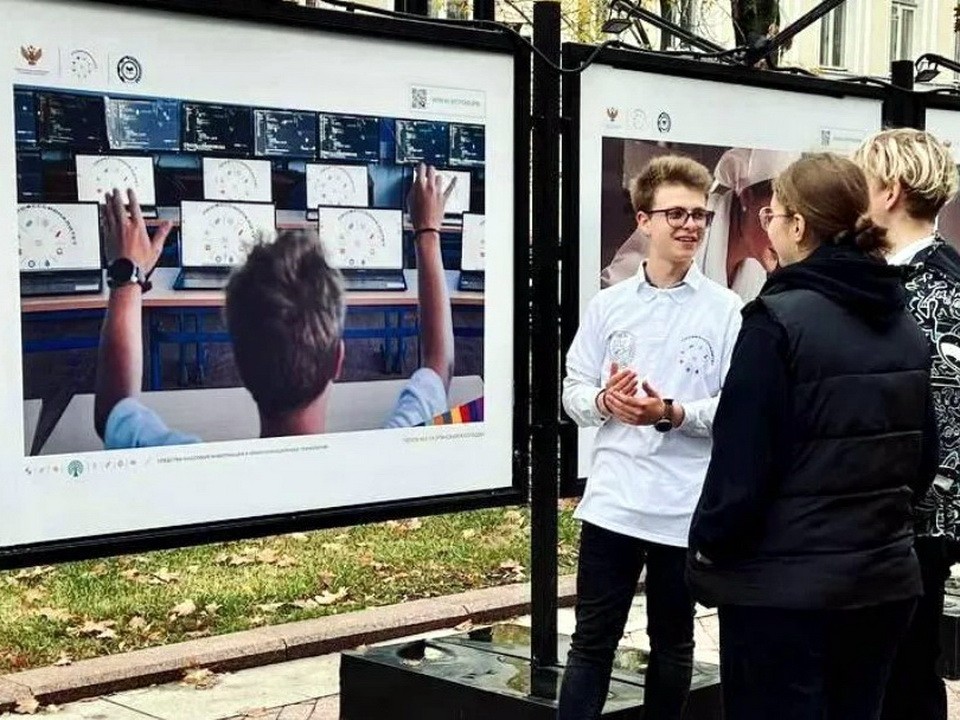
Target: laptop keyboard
(471,283)
(60,284)
(374,282)
(203,279)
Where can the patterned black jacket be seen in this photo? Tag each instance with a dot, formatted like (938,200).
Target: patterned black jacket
(932,281)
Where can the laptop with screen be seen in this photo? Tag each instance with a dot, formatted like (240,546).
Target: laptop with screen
(216,237)
(335,185)
(59,249)
(99,174)
(472,253)
(366,244)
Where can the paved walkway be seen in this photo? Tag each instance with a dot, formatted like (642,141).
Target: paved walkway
(307,689)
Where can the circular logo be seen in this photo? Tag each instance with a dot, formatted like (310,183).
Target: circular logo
(75,468)
(129,69)
(696,355)
(663,122)
(622,347)
(638,119)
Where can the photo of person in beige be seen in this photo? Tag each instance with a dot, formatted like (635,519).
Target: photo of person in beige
(734,250)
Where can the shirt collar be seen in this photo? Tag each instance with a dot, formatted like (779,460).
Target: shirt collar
(681,291)
(904,256)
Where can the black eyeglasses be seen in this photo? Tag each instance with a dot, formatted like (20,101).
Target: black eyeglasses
(677,216)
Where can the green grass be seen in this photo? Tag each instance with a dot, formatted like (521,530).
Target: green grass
(82,610)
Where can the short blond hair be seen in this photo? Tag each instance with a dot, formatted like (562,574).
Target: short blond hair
(918,161)
(667,170)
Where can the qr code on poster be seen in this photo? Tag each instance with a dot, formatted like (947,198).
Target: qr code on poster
(418,98)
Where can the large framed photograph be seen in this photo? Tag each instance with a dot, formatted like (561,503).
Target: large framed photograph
(943,120)
(302,357)
(628,108)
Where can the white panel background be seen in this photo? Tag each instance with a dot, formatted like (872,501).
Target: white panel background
(216,60)
(702,112)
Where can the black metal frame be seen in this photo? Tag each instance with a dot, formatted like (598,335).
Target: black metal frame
(515,491)
(571,485)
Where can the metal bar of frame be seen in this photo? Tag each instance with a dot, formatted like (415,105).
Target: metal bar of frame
(902,107)
(545,336)
(424,32)
(571,484)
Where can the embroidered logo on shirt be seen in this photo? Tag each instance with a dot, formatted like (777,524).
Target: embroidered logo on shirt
(696,355)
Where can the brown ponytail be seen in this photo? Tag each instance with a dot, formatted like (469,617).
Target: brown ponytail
(832,195)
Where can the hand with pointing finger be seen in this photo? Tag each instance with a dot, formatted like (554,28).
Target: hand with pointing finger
(427,198)
(126,233)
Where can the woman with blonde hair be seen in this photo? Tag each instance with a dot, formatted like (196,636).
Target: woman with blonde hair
(823,437)
(912,176)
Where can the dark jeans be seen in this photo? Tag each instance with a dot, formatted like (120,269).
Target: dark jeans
(780,664)
(608,571)
(915,690)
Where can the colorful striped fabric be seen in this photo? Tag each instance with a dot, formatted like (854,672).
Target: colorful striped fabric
(466,413)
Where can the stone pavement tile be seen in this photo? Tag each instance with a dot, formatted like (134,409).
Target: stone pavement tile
(91,710)
(327,708)
(304,711)
(710,627)
(953,699)
(271,686)
(110,673)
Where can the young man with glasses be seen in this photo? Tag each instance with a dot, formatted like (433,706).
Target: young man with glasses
(645,369)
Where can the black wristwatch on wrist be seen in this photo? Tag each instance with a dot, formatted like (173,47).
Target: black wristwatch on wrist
(665,424)
(124,271)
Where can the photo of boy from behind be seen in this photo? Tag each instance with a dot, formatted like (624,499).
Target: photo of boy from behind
(285,313)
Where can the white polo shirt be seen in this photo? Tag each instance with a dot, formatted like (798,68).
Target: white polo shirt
(642,482)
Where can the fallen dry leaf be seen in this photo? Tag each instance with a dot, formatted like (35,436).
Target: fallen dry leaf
(33,596)
(132,574)
(138,624)
(464,626)
(286,561)
(54,614)
(63,660)
(299,536)
(102,630)
(267,557)
(184,609)
(212,608)
(163,576)
(270,607)
(308,604)
(27,706)
(467,534)
(200,678)
(329,598)
(331,547)
(257,620)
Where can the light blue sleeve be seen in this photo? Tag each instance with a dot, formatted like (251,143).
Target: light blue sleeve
(132,425)
(422,399)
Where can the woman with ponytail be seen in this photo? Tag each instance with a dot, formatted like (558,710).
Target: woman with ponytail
(823,439)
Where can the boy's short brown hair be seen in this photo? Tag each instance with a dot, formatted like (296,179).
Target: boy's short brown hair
(667,170)
(285,313)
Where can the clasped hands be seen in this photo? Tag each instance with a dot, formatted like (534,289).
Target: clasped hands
(619,398)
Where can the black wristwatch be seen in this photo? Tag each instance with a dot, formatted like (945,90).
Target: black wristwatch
(124,271)
(665,424)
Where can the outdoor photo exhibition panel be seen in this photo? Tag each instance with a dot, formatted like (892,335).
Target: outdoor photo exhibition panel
(943,120)
(238,125)
(744,126)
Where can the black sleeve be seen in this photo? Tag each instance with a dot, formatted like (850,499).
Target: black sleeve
(930,454)
(749,442)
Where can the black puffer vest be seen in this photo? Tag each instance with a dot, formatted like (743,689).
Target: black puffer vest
(838,532)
